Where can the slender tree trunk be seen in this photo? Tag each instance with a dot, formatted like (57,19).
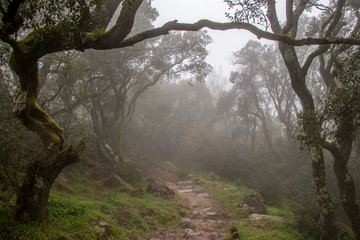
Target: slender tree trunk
(268,139)
(323,198)
(253,139)
(341,154)
(346,185)
(347,194)
(119,143)
(312,131)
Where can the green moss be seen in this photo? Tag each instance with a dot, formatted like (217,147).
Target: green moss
(274,211)
(269,230)
(75,212)
(289,56)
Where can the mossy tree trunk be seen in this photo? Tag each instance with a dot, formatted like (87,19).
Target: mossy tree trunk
(341,153)
(346,132)
(312,131)
(310,122)
(33,194)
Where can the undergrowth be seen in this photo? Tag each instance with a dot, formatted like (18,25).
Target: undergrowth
(231,197)
(82,205)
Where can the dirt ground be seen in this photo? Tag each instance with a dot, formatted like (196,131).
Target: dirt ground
(205,218)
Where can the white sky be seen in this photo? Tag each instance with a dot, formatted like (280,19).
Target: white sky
(190,11)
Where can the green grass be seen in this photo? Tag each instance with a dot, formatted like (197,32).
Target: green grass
(231,196)
(266,231)
(75,211)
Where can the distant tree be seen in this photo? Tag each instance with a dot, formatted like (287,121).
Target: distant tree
(253,99)
(217,83)
(117,83)
(179,109)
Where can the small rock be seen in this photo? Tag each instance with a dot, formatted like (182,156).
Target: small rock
(203,195)
(186,223)
(195,212)
(211,213)
(184,191)
(185,183)
(204,210)
(103,224)
(148,220)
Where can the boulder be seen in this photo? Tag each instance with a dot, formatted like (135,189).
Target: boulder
(253,203)
(212,176)
(160,190)
(261,217)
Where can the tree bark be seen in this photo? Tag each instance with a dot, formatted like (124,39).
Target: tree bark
(311,129)
(33,195)
(341,153)
(345,181)
(347,194)
(323,198)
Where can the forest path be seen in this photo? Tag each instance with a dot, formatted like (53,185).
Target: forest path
(205,218)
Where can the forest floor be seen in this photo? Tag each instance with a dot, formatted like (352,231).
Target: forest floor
(214,208)
(84,206)
(205,218)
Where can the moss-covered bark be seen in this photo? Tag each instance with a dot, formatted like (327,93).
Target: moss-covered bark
(312,131)
(346,185)
(33,194)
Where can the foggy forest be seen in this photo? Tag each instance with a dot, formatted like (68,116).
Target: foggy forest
(112,127)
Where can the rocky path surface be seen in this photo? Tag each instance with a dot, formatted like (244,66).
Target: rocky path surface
(205,219)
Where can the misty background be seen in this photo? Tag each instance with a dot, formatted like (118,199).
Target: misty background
(214,101)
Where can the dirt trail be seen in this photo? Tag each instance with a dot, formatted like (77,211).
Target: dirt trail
(205,219)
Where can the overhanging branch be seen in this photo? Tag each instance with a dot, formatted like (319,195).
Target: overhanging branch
(174,25)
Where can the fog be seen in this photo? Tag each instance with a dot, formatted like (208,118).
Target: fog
(278,120)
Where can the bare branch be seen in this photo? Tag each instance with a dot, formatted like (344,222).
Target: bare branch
(165,29)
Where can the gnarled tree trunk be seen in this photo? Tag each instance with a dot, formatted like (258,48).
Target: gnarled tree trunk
(33,194)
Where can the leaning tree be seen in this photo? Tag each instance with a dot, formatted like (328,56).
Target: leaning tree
(339,18)
(34,29)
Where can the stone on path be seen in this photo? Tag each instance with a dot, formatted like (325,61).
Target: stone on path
(203,221)
(203,195)
(160,190)
(185,190)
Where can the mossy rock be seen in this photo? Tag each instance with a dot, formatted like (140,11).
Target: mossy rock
(254,203)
